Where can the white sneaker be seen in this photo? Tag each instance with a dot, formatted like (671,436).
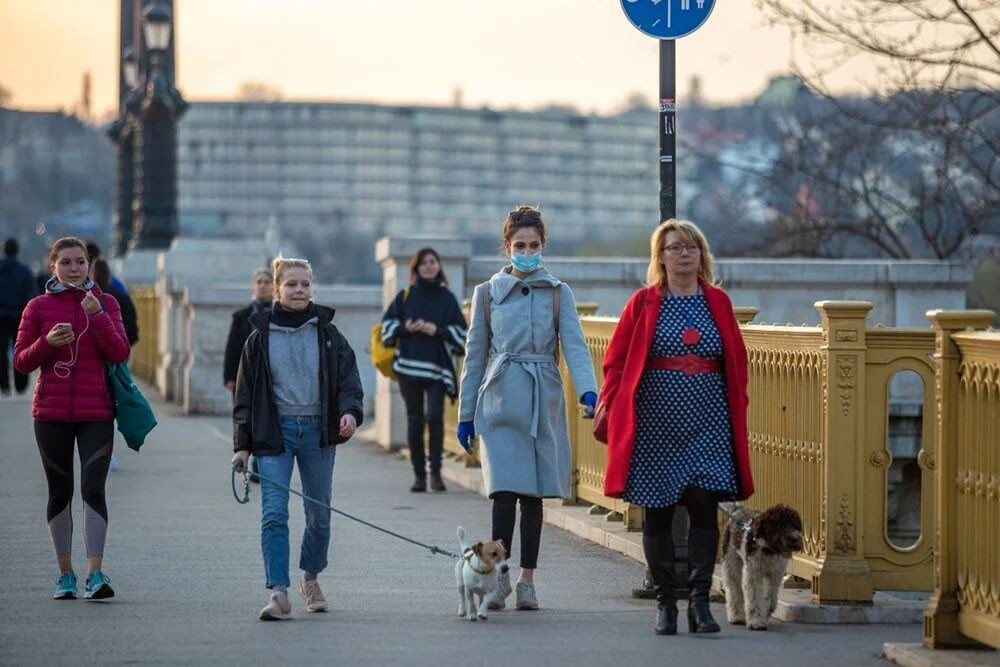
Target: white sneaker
(500,602)
(526,598)
(276,607)
(312,594)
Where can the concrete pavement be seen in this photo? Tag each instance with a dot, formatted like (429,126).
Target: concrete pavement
(185,561)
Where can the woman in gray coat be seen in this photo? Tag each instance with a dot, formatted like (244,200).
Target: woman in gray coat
(512,391)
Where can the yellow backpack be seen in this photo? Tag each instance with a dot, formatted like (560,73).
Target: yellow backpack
(382,354)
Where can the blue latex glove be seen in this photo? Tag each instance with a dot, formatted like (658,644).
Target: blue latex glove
(466,434)
(590,400)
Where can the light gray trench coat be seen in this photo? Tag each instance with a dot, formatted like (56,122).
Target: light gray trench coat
(515,397)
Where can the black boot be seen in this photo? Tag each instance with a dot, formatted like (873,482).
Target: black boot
(437,483)
(702,545)
(419,484)
(660,560)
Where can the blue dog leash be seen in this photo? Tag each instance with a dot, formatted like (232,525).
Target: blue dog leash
(246,498)
(739,522)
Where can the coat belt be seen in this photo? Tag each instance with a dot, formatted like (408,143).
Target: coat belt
(530,364)
(689,364)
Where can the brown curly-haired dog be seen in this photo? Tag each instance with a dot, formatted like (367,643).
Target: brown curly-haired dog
(754,562)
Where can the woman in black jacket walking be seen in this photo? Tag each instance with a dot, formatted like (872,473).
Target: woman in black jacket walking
(427,325)
(298,395)
(240,327)
(130,318)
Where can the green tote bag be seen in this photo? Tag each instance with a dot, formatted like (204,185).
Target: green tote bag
(132,411)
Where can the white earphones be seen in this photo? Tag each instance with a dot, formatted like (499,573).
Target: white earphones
(62,369)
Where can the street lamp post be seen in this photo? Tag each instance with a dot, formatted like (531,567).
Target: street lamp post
(145,137)
(154,204)
(122,133)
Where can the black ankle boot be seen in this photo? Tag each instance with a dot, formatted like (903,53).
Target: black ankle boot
(660,560)
(437,483)
(702,545)
(419,484)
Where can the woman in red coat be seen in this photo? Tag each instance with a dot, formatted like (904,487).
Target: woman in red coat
(675,378)
(70,333)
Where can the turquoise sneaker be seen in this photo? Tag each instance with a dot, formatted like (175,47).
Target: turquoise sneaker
(65,587)
(98,587)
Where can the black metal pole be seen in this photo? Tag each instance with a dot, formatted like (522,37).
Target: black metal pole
(126,190)
(155,195)
(668,129)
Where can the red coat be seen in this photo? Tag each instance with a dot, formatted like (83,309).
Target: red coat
(625,361)
(85,395)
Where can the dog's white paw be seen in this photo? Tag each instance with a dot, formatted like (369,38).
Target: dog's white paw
(737,620)
(482,616)
(461,611)
(756,625)
(471,617)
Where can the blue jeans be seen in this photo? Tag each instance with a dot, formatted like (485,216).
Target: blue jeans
(301,436)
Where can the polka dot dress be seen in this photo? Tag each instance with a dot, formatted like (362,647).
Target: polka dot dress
(683,433)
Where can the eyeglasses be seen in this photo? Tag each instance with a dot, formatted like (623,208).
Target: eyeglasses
(678,248)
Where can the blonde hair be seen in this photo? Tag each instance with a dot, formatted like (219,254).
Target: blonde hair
(280,265)
(656,275)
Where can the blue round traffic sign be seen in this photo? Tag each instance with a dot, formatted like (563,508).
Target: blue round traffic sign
(667,19)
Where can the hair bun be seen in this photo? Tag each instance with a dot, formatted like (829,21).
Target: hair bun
(526,215)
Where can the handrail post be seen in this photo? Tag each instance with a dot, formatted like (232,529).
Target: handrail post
(745,314)
(941,617)
(843,576)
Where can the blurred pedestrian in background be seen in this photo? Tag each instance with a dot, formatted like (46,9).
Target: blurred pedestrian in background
(16,289)
(94,253)
(262,286)
(130,319)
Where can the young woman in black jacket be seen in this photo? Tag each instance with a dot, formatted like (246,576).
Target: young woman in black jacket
(298,395)
(240,327)
(239,330)
(426,324)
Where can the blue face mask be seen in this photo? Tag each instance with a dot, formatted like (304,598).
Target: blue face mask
(526,263)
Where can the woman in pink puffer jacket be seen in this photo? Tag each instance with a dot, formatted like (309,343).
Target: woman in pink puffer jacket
(70,334)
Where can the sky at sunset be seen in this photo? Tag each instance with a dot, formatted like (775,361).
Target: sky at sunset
(524,53)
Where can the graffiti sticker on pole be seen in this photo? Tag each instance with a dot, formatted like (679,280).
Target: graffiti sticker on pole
(667,19)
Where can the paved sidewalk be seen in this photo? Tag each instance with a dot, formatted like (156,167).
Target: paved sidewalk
(185,560)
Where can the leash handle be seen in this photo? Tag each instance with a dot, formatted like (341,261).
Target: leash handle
(237,468)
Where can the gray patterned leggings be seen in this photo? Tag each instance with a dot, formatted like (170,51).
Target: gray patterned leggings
(55,445)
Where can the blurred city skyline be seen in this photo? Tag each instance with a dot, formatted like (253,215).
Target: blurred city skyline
(581,53)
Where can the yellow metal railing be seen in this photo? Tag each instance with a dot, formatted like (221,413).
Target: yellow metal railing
(146,353)
(966,601)
(786,429)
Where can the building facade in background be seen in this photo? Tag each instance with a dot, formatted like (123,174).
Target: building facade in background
(373,169)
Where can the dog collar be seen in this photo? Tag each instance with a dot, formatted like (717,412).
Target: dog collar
(469,553)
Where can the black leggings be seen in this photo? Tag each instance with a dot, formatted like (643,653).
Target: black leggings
(55,445)
(504,516)
(416,418)
(702,507)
